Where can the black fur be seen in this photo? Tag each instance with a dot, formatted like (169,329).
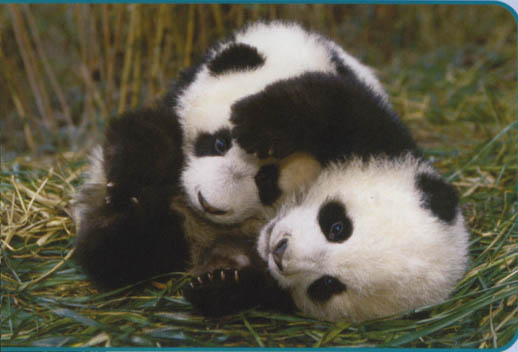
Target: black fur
(141,148)
(321,114)
(229,290)
(267,180)
(334,222)
(236,57)
(205,144)
(130,234)
(438,196)
(119,247)
(322,289)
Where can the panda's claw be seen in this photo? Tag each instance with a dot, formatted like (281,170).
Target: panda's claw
(225,291)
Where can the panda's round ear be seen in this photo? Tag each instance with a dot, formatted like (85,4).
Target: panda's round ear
(236,57)
(438,196)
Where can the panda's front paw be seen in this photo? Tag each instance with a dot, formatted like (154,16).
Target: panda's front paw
(223,291)
(120,197)
(264,137)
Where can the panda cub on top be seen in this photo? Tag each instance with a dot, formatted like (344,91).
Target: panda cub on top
(378,233)
(219,178)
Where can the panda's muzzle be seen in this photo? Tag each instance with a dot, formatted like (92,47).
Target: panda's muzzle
(208,208)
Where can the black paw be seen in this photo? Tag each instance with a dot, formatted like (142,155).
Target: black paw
(225,291)
(267,182)
(265,136)
(120,197)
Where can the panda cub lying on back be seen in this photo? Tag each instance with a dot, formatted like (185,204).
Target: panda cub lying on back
(379,232)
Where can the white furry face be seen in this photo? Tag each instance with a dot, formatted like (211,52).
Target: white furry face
(361,245)
(222,187)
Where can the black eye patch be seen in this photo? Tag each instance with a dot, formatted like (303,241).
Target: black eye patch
(334,222)
(324,288)
(215,144)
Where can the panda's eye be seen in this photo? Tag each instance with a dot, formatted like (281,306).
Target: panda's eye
(213,144)
(336,229)
(334,222)
(221,146)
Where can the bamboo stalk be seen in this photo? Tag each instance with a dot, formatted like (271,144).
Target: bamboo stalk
(240,17)
(10,82)
(135,86)
(127,59)
(48,69)
(158,37)
(170,46)
(202,39)
(93,92)
(189,36)
(108,56)
(94,42)
(272,12)
(218,18)
(82,34)
(30,67)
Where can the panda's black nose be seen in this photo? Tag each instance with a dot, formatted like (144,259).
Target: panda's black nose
(278,252)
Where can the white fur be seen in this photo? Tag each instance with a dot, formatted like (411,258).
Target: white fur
(95,178)
(224,182)
(204,107)
(398,257)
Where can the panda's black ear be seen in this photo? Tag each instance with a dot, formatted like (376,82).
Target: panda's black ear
(236,57)
(438,196)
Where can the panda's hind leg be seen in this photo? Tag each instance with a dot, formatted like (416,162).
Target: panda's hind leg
(120,246)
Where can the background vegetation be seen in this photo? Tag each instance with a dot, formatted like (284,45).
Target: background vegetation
(65,69)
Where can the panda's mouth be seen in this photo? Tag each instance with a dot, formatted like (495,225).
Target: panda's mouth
(208,208)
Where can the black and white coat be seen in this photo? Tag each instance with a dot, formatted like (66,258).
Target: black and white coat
(189,184)
(170,188)
(379,232)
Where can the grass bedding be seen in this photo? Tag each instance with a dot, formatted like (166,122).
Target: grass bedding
(460,103)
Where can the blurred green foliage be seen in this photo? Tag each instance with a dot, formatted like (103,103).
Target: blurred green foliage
(68,68)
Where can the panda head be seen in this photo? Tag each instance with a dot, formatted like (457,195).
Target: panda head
(368,239)
(219,177)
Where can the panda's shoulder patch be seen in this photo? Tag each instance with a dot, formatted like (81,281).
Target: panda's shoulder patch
(236,57)
(438,196)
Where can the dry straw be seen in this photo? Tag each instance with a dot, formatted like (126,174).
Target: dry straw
(450,72)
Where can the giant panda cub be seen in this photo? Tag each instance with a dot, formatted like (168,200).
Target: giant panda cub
(220,180)
(171,189)
(379,232)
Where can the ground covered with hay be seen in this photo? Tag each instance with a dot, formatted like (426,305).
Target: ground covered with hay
(455,88)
